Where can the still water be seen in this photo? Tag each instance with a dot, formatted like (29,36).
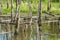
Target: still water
(31,32)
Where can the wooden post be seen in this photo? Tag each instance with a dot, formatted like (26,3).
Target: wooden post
(39,19)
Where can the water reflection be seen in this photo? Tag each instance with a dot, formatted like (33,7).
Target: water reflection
(5,36)
(30,32)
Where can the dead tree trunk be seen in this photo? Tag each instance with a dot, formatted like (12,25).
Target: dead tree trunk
(48,9)
(0,7)
(30,8)
(11,10)
(39,19)
(17,20)
(30,15)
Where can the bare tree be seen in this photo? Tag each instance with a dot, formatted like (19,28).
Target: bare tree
(39,19)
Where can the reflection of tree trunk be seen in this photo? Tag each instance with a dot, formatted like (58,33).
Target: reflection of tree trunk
(31,31)
(26,31)
(59,24)
(16,29)
(23,32)
(7,28)
(54,27)
(37,32)
(51,27)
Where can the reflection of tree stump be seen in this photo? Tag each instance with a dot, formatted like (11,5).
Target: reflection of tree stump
(59,23)
(16,29)
(7,30)
(46,18)
(16,35)
(54,27)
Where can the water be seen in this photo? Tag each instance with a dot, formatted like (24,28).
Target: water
(5,37)
(30,32)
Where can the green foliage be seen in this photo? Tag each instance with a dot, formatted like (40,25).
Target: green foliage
(55,0)
(5,10)
(25,8)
